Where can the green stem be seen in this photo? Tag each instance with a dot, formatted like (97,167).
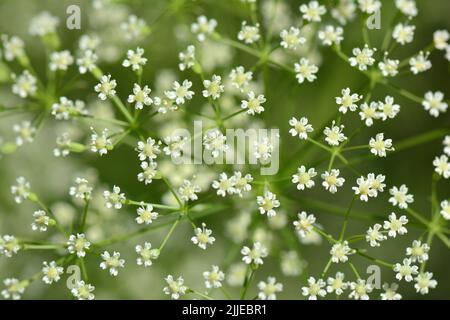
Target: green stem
(247,282)
(166,238)
(347,213)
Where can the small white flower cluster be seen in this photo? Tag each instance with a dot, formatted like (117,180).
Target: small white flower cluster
(236,184)
(408,271)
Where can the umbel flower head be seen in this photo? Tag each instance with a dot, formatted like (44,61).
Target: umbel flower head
(78,244)
(175,288)
(146,254)
(254,255)
(203,237)
(112,262)
(51,272)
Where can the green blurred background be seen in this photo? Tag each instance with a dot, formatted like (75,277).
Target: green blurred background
(51,177)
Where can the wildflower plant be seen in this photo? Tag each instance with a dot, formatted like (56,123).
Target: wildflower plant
(357,109)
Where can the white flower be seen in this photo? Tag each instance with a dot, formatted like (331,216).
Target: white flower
(203,27)
(135,59)
(389,67)
(101,143)
(400,197)
(249,34)
(369,6)
(112,262)
(146,254)
(51,272)
(442,166)
(236,274)
(224,185)
(253,104)
(134,28)
(369,113)
(21,191)
(379,145)
(41,221)
(268,289)
(12,47)
(362,58)
(140,96)
(61,60)
(390,292)
(106,87)
(337,284)
(377,183)
(242,183)
(87,62)
(175,288)
(89,42)
(174,145)
(374,235)
(388,109)
(344,11)
(395,225)
(440,38)
(424,282)
(187,58)
(291,39)
(305,223)
(240,78)
(446,144)
(254,255)
(114,199)
(348,101)
(331,35)
(418,251)
(78,244)
(81,190)
(43,24)
(445,212)
(146,214)
(340,251)
(313,11)
(434,103)
(148,150)
(148,172)
(215,142)
(305,70)
(67,108)
(24,85)
(405,270)
(213,278)
(14,288)
(331,180)
(334,135)
(203,237)
(267,203)
(303,178)
(180,92)
(420,63)
(290,264)
(263,149)
(403,33)
(360,290)
(314,289)
(188,190)
(213,87)
(83,291)
(300,128)
(62,145)
(407,7)
(9,245)
(364,189)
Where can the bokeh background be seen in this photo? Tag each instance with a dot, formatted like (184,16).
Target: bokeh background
(51,177)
